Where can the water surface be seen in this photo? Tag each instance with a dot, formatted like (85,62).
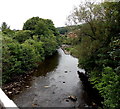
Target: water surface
(55,80)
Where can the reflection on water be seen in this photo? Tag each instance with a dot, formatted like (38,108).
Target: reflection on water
(48,65)
(55,80)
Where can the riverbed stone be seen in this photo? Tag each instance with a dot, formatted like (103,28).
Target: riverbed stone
(46,86)
(67,100)
(66,71)
(73,98)
(9,92)
(27,86)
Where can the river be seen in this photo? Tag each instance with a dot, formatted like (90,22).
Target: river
(54,81)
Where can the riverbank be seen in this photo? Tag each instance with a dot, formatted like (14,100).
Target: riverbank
(92,92)
(72,50)
(56,83)
(21,82)
(60,85)
(63,47)
(17,84)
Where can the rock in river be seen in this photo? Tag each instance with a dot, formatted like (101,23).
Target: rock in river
(65,71)
(73,98)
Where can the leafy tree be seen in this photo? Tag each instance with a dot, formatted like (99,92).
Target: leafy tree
(49,44)
(4,26)
(38,48)
(62,30)
(42,29)
(22,35)
(51,27)
(8,59)
(40,26)
(24,49)
(98,48)
(17,58)
(109,88)
(31,23)
(45,31)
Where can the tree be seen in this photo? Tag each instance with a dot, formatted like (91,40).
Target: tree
(62,30)
(51,26)
(31,23)
(22,35)
(4,26)
(45,31)
(24,49)
(42,29)
(40,26)
(99,43)
(91,15)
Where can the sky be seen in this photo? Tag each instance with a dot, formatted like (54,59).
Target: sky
(16,12)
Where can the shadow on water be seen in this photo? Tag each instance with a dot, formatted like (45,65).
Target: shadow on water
(54,83)
(48,65)
(91,94)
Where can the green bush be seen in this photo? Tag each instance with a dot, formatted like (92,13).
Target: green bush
(109,87)
(24,49)
(49,44)
(22,35)
(37,46)
(17,58)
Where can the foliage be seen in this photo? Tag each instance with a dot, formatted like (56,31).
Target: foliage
(62,30)
(24,49)
(9,32)
(30,23)
(67,29)
(49,45)
(4,26)
(98,47)
(51,27)
(38,48)
(22,35)
(17,58)
(40,26)
(107,86)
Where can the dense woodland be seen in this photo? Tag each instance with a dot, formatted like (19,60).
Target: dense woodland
(97,46)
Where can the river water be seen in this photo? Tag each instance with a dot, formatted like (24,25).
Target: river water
(55,80)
